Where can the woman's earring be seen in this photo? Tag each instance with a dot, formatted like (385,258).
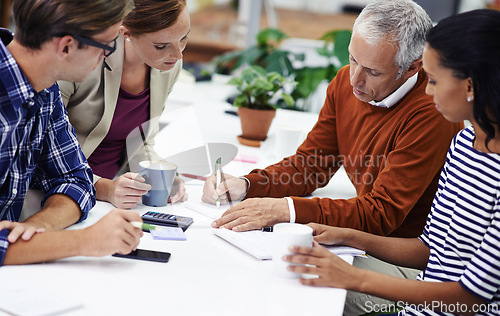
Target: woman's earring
(127,39)
(469,98)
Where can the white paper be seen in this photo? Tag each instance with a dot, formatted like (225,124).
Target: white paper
(168,233)
(20,297)
(206,209)
(344,250)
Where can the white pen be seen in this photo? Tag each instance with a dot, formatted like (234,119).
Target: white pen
(218,178)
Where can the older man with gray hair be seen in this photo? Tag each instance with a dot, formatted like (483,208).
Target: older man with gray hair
(379,124)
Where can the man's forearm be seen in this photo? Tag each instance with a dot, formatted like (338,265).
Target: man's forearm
(59,212)
(46,246)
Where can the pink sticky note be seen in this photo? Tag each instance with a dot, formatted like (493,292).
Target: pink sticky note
(246,158)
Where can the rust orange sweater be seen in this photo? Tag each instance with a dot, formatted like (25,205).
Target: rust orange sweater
(393,156)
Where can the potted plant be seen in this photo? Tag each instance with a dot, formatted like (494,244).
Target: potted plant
(269,55)
(266,53)
(335,52)
(259,94)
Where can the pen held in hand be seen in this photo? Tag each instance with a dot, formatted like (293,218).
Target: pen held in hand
(144,226)
(226,188)
(218,178)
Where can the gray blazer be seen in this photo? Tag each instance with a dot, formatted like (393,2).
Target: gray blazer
(91,104)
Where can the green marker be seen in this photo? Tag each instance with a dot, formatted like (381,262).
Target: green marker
(144,226)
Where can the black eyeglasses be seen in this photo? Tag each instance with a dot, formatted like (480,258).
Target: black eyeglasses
(108,50)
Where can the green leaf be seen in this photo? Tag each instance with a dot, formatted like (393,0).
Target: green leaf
(278,61)
(263,85)
(251,56)
(248,75)
(288,99)
(340,49)
(258,69)
(340,40)
(308,79)
(235,81)
(271,37)
(273,76)
(258,87)
(240,101)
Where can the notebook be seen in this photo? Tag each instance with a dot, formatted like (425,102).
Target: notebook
(259,244)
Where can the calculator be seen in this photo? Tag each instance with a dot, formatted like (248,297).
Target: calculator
(163,219)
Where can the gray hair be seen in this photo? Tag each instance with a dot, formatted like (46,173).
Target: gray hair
(401,22)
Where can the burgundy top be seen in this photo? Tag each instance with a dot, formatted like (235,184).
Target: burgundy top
(131,111)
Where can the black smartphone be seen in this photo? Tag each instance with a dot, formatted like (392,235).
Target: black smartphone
(147,255)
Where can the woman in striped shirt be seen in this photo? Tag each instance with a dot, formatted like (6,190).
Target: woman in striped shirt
(459,250)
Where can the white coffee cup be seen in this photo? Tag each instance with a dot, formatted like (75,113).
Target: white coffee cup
(288,139)
(286,235)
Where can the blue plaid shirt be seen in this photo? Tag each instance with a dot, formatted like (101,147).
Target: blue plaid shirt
(38,146)
(3,244)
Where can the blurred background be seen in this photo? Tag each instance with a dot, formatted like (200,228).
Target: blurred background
(305,40)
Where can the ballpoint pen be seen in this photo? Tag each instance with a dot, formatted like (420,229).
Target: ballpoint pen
(218,178)
(226,188)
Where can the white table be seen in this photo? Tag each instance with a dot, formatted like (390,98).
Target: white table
(205,274)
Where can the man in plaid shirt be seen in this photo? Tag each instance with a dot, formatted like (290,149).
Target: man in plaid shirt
(54,40)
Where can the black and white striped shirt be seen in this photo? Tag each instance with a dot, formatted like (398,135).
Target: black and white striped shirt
(463,228)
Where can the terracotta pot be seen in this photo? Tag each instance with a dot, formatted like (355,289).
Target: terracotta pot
(255,123)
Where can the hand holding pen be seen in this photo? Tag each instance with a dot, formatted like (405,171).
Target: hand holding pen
(224,183)
(234,186)
(218,178)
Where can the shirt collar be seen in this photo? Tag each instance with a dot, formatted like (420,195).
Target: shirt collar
(397,95)
(6,36)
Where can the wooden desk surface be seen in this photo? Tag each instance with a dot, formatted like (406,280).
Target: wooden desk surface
(210,29)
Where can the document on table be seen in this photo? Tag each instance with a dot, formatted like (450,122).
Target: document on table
(206,209)
(23,298)
(259,244)
(345,250)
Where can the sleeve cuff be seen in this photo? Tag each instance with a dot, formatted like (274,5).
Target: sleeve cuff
(4,244)
(291,208)
(95,178)
(84,199)
(248,185)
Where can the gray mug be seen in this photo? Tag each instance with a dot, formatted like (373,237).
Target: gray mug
(160,175)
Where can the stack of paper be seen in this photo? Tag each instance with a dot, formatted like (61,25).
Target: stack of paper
(168,233)
(344,250)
